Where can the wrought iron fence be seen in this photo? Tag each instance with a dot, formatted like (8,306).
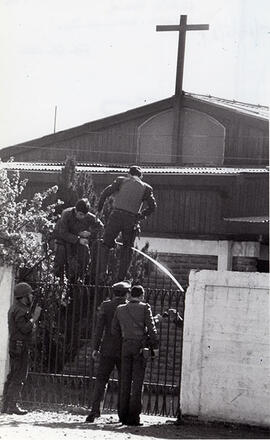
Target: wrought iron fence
(62,370)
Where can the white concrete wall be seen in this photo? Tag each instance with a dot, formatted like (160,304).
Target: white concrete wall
(226,349)
(223,249)
(6,290)
(200,247)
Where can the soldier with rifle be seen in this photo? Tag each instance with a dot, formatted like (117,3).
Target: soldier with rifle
(22,324)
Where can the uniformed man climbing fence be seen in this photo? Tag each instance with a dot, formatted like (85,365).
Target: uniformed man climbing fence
(130,193)
(72,233)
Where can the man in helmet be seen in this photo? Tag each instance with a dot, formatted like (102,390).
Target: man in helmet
(21,325)
(106,348)
(130,194)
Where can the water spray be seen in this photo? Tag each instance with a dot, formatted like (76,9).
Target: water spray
(159,265)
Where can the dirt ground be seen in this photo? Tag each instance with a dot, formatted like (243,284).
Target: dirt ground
(44,425)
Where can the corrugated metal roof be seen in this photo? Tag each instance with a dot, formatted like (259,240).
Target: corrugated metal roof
(254,219)
(99,168)
(250,109)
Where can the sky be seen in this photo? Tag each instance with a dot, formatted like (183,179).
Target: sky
(96,58)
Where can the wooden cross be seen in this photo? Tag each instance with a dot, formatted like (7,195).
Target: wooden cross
(182,28)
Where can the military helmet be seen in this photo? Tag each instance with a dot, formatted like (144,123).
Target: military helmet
(22,289)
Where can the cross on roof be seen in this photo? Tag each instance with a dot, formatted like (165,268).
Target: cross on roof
(182,28)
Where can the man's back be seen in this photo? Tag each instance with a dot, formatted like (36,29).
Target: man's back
(135,320)
(110,345)
(131,194)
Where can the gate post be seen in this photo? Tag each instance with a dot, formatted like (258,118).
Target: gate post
(6,295)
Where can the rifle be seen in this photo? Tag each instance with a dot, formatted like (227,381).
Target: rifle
(38,300)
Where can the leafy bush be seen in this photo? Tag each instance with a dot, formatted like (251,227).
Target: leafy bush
(24,224)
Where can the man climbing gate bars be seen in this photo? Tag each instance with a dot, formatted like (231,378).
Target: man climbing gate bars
(130,193)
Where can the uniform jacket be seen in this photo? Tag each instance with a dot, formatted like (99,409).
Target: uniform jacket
(129,194)
(104,341)
(134,320)
(19,324)
(68,227)
(66,234)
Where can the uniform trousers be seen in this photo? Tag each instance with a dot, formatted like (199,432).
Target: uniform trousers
(133,366)
(124,222)
(74,263)
(19,360)
(105,368)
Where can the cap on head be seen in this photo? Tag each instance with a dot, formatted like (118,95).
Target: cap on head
(121,288)
(135,171)
(137,291)
(22,289)
(83,206)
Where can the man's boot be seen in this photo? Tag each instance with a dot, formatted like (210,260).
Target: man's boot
(91,418)
(15,409)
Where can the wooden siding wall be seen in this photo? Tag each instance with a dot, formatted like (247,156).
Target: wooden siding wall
(246,144)
(249,197)
(247,137)
(182,211)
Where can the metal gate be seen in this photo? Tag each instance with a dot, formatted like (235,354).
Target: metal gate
(62,370)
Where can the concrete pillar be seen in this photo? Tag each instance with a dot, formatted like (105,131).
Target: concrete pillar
(6,296)
(224,255)
(226,346)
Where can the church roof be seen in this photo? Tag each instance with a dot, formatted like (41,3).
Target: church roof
(260,112)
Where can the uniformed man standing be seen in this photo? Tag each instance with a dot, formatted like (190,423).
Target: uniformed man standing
(133,322)
(106,347)
(130,193)
(21,324)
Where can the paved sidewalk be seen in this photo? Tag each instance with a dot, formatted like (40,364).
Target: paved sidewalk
(44,425)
